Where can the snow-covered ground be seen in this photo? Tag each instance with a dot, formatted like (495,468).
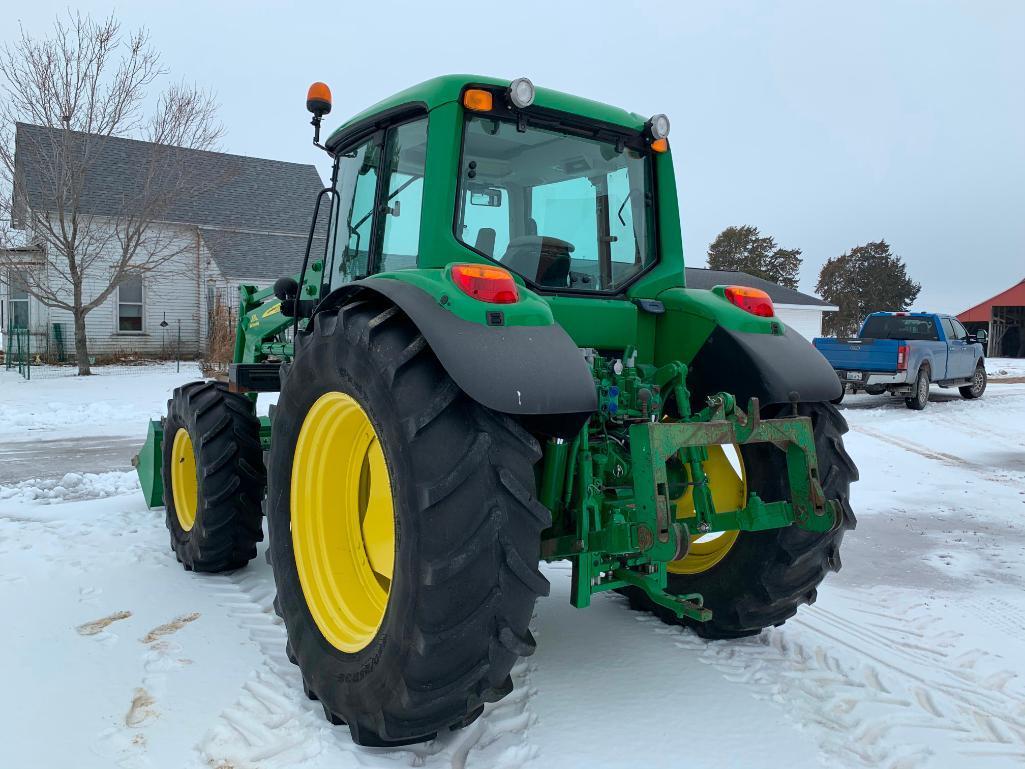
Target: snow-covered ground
(913,656)
(96,405)
(1005,368)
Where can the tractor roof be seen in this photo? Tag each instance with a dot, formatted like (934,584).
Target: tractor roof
(447,88)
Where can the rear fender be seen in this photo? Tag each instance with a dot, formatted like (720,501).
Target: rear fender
(775,368)
(535,372)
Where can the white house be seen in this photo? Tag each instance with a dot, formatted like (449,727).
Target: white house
(802,312)
(248,224)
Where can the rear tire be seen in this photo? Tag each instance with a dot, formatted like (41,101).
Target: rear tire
(224,520)
(767,575)
(467,533)
(839,399)
(920,397)
(978,385)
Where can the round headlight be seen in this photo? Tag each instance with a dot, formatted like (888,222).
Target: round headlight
(658,125)
(521,92)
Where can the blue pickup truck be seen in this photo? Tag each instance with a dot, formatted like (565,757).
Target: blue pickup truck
(902,353)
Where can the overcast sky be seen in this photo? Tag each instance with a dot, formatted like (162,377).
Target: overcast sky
(824,127)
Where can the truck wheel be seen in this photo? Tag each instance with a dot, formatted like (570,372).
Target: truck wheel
(978,385)
(213,476)
(920,398)
(404,530)
(753,580)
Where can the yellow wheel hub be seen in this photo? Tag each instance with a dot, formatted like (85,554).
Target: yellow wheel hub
(343,521)
(728,483)
(184,485)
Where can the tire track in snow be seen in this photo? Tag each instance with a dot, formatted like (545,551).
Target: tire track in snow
(273,725)
(966,687)
(885,689)
(1010,477)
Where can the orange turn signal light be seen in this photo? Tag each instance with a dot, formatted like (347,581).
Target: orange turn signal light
(318,99)
(752,300)
(486,283)
(660,145)
(478,100)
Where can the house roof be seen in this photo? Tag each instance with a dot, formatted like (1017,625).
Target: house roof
(227,191)
(258,255)
(1012,297)
(699,277)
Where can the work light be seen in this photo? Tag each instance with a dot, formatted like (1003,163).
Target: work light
(521,92)
(658,126)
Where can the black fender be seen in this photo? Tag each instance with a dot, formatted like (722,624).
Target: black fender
(526,371)
(765,366)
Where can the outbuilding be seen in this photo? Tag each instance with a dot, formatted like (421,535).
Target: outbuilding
(1003,318)
(802,312)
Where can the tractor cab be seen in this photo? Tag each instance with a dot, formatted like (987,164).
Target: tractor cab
(519,177)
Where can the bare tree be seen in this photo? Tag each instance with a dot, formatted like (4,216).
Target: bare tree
(65,98)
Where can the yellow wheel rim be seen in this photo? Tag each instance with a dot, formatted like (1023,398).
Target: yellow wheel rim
(184,485)
(343,521)
(729,492)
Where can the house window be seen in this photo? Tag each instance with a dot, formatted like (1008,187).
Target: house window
(129,305)
(18,300)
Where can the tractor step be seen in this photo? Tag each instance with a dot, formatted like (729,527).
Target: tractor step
(254,377)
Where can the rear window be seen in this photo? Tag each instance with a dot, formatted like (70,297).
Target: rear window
(900,327)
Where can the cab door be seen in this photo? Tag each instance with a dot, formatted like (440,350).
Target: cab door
(966,362)
(351,231)
(957,350)
(376,213)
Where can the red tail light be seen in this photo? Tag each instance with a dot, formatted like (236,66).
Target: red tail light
(753,300)
(486,283)
(902,358)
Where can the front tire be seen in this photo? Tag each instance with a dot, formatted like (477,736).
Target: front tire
(465,533)
(214,477)
(766,575)
(978,385)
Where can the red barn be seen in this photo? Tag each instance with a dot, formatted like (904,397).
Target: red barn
(1003,317)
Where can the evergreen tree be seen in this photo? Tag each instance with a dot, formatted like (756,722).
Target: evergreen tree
(746,250)
(866,279)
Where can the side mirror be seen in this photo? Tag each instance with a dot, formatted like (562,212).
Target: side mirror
(981,336)
(287,289)
(490,197)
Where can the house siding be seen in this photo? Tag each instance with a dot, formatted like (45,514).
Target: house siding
(170,291)
(806,321)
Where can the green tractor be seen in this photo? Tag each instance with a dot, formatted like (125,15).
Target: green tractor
(495,361)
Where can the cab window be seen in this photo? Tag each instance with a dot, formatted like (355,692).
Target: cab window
(407,155)
(566,212)
(376,213)
(353,206)
(484,218)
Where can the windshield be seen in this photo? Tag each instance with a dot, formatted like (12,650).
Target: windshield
(562,211)
(900,327)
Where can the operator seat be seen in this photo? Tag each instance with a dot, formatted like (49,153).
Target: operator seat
(543,260)
(486,241)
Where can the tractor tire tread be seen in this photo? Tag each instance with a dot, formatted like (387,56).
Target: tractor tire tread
(231,476)
(476,591)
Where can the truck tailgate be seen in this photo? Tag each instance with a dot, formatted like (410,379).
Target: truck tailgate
(860,354)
